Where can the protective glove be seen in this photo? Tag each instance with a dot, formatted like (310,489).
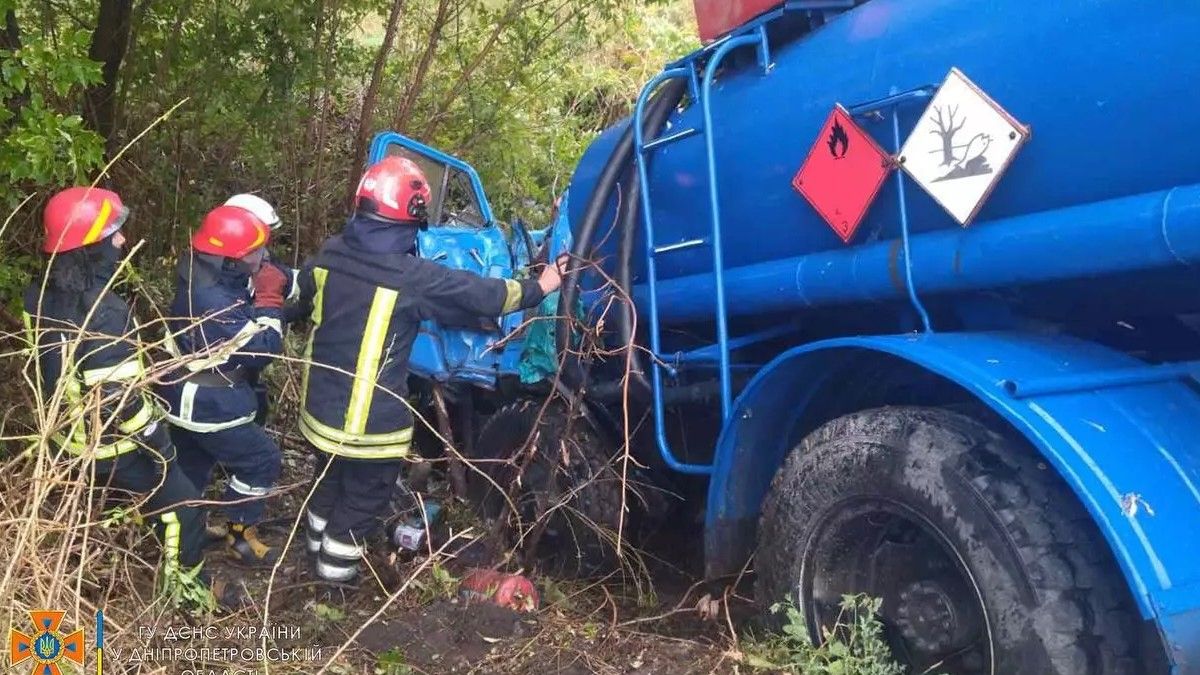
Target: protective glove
(269,284)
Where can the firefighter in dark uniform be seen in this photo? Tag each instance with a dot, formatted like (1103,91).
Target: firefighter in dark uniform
(86,342)
(263,210)
(367,293)
(221,332)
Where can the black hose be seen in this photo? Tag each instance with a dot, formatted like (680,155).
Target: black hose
(570,371)
(660,107)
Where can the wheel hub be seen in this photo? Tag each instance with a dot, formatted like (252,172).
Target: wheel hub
(926,617)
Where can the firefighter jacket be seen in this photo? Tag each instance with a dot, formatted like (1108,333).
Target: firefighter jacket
(89,359)
(367,293)
(219,340)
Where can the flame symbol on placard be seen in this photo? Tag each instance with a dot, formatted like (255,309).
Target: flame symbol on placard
(838,140)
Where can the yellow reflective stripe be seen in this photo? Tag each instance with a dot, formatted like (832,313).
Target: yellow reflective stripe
(170,539)
(319,275)
(138,421)
(98,224)
(124,371)
(369,353)
(340,436)
(512,296)
(30,338)
(367,448)
(106,451)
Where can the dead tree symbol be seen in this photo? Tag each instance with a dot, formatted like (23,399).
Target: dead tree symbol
(946,130)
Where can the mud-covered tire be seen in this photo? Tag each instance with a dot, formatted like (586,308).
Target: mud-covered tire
(571,543)
(1050,599)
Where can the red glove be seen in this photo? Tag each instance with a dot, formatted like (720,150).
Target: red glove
(269,283)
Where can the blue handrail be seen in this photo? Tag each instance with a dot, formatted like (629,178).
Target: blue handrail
(759,39)
(664,447)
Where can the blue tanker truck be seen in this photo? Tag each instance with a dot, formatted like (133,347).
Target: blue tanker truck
(992,427)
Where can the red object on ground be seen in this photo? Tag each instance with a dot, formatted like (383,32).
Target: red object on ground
(718,17)
(506,590)
(843,173)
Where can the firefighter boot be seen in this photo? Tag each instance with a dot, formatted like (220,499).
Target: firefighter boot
(247,549)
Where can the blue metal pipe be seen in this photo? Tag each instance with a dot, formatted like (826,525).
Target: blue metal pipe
(1102,379)
(1156,230)
(904,236)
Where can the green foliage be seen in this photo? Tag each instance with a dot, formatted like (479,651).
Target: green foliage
(15,272)
(440,584)
(42,142)
(854,646)
(185,589)
(392,662)
(274,92)
(327,613)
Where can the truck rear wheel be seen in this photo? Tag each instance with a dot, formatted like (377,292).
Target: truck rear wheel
(983,558)
(569,484)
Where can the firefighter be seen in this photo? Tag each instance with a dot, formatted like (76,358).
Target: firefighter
(86,342)
(221,333)
(367,293)
(263,210)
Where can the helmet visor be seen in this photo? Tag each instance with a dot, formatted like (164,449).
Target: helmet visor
(117,223)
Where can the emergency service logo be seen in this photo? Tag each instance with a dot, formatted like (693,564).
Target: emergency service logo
(47,646)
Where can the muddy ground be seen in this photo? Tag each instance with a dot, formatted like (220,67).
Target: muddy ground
(662,621)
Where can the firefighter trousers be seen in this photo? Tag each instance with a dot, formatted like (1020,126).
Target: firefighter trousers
(250,457)
(154,475)
(349,502)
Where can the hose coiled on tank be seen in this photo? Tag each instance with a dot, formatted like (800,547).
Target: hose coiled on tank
(619,163)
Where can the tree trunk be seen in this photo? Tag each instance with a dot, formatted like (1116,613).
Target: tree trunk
(138,20)
(367,118)
(10,40)
(10,37)
(400,121)
(109,42)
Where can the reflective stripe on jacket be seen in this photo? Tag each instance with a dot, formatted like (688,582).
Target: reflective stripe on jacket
(88,346)
(216,337)
(366,307)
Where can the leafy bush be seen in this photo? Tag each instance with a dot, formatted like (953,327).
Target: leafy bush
(854,646)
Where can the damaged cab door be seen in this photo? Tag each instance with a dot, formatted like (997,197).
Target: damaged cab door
(464,234)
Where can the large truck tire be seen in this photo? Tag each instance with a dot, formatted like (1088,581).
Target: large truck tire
(571,463)
(985,561)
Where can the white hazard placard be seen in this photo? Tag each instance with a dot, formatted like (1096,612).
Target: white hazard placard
(961,146)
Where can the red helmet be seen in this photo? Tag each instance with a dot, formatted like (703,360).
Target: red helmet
(394,189)
(79,216)
(231,232)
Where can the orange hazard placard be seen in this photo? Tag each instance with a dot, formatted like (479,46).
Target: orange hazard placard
(843,172)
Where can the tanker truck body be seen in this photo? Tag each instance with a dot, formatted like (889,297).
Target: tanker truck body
(992,427)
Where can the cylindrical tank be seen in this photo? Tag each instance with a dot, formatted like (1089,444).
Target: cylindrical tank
(1108,88)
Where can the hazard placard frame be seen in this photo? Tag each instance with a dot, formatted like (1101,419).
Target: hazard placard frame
(889,167)
(1024,131)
